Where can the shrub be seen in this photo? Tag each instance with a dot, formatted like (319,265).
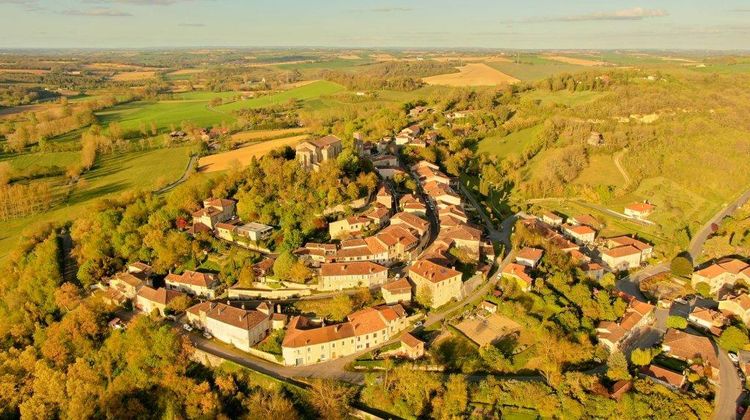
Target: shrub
(682,265)
(733,339)
(674,321)
(703,289)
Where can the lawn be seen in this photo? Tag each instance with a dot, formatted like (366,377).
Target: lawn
(514,143)
(601,171)
(306,92)
(111,175)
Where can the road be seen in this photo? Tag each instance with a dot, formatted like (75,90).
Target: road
(183,178)
(619,167)
(729,390)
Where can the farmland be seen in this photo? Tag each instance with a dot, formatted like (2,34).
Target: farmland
(306,92)
(474,74)
(164,113)
(243,155)
(513,143)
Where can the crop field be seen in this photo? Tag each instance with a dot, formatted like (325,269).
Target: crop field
(306,92)
(471,58)
(255,135)
(539,69)
(474,74)
(243,155)
(515,142)
(113,174)
(130,76)
(577,61)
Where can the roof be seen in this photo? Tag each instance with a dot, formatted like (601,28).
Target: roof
(664,375)
(586,219)
(628,240)
(519,271)
(128,279)
(527,253)
(160,295)
(401,285)
(708,315)
(357,268)
(463,232)
(552,216)
(192,278)
(621,251)
(324,141)
(432,272)
(410,340)
(395,234)
(727,265)
(218,202)
(743,300)
(641,207)
(417,223)
(298,336)
(580,229)
(255,227)
(226,314)
(689,346)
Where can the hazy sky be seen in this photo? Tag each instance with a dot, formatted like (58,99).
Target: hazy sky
(688,24)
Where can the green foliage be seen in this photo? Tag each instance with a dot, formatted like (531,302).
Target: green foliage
(703,289)
(617,367)
(335,309)
(642,357)
(678,322)
(733,339)
(681,265)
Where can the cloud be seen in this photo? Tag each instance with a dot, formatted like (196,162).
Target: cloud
(635,13)
(192,25)
(97,11)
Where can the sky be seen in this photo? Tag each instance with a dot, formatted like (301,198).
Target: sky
(519,24)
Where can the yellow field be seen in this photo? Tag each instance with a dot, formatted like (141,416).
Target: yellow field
(246,136)
(187,71)
(576,61)
(349,57)
(243,155)
(382,57)
(130,76)
(31,71)
(280,63)
(475,74)
(477,58)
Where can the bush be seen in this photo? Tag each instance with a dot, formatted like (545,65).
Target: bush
(682,265)
(678,322)
(703,289)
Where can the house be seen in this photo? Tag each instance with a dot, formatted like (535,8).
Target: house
(595,139)
(722,275)
(317,252)
(125,286)
(646,250)
(412,130)
(411,347)
(389,172)
(396,291)
(411,204)
(385,161)
(456,115)
(307,342)
(518,273)
(149,299)
(691,348)
(552,219)
(400,242)
(238,327)
(193,283)
(263,268)
(346,275)
(708,319)
(581,234)
(738,306)
(367,249)
(613,334)
(312,153)
(666,377)
(416,223)
(488,307)
(622,258)
(254,231)
(426,174)
(529,257)
(593,271)
(215,210)
(418,111)
(464,237)
(378,214)
(349,226)
(639,210)
(434,283)
(385,197)
(141,270)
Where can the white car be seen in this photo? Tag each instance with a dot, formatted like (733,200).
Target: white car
(207,335)
(187,327)
(733,357)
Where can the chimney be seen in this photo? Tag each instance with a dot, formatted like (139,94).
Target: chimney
(278,307)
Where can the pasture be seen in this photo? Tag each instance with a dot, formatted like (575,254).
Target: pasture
(243,155)
(513,143)
(256,135)
(164,113)
(474,74)
(306,92)
(535,69)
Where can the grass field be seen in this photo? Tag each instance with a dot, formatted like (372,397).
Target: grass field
(587,62)
(243,155)
(130,76)
(601,171)
(255,135)
(474,74)
(563,97)
(164,113)
(306,92)
(25,161)
(515,142)
(536,70)
(112,174)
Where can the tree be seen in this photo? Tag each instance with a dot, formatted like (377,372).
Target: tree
(678,322)
(682,265)
(424,296)
(267,405)
(703,289)
(179,304)
(247,276)
(282,267)
(642,357)
(330,399)
(733,339)
(608,281)
(617,367)
(453,402)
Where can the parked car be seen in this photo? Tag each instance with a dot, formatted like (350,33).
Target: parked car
(187,327)
(207,335)
(418,324)
(733,357)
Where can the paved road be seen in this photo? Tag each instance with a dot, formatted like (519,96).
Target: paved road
(729,390)
(696,244)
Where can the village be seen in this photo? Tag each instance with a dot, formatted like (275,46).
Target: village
(426,256)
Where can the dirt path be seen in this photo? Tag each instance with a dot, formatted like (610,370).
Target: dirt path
(624,174)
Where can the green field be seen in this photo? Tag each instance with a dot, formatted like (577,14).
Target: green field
(563,97)
(112,174)
(165,113)
(306,92)
(514,143)
(25,161)
(601,171)
(536,70)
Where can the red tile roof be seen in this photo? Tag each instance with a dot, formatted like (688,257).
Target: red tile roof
(398,286)
(161,295)
(356,268)
(527,253)
(432,272)
(689,346)
(226,314)
(192,278)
